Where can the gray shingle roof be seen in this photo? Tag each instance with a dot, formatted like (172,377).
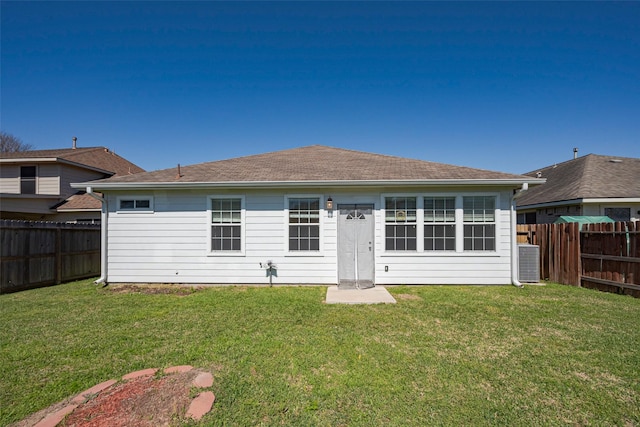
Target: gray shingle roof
(96,157)
(313,163)
(587,177)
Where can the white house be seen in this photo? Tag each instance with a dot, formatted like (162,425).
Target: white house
(322,215)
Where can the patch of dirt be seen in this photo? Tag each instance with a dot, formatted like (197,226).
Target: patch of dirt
(145,401)
(153,289)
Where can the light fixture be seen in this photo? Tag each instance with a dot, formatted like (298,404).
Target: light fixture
(329,204)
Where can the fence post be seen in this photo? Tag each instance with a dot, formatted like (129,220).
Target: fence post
(27,252)
(58,261)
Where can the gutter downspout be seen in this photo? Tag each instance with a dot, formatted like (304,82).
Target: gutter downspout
(103,236)
(514,236)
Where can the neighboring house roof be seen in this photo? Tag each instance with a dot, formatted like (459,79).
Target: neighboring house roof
(95,157)
(312,164)
(588,177)
(79,202)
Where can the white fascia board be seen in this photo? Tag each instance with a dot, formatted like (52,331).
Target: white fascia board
(580,202)
(30,160)
(613,200)
(55,160)
(99,186)
(30,196)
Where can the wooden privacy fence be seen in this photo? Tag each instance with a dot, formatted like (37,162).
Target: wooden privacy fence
(604,256)
(36,254)
(611,256)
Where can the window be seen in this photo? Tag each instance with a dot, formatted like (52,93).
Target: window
(618,214)
(479,217)
(400,223)
(135,204)
(439,224)
(226,224)
(304,224)
(27,180)
(526,218)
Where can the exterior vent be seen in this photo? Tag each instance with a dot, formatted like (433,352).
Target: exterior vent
(529,263)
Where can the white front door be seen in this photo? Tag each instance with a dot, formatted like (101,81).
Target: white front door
(355,246)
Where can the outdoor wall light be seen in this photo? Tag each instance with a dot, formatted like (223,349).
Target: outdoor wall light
(329,204)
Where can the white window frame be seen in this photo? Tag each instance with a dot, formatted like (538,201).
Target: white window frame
(495,223)
(444,222)
(135,199)
(321,213)
(243,226)
(420,223)
(419,230)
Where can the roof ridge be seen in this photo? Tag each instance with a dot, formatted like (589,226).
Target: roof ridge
(73,151)
(555,165)
(586,156)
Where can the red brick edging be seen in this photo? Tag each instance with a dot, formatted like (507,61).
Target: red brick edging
(199,406)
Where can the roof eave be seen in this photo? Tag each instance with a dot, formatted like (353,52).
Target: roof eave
(579,202)
(307,184)
(78,210)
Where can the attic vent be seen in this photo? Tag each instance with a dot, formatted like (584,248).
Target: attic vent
(538,174)
(615,160)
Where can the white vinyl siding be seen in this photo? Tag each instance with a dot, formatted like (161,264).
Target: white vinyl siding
(449,267)
(49,179)
(69,174)
(172,244)
(10,179)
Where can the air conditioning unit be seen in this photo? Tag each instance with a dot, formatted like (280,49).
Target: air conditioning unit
(529,263)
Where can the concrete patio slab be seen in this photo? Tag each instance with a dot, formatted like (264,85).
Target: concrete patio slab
(375,295)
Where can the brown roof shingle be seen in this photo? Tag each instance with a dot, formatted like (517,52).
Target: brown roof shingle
(312,163)
(78,201)
(587,177)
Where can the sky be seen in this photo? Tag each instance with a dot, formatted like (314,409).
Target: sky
(504,86)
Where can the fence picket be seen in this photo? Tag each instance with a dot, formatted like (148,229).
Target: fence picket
(604,256)
(36,254)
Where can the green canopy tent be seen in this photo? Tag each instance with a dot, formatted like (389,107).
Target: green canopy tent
(582,219)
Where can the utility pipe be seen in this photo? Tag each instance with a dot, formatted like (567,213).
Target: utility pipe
(103,236)
(514,236)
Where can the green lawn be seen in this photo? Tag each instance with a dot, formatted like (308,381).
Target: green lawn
(543,355)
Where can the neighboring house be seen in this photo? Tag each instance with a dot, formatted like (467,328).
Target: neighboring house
(588,185)
(322,215)
(35,185)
